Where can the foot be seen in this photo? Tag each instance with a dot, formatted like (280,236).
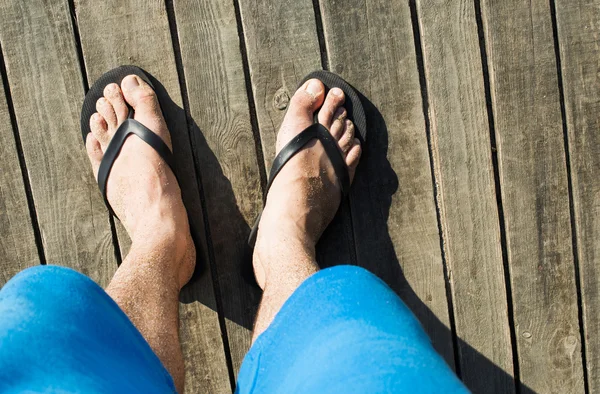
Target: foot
(142,190)
(305,195)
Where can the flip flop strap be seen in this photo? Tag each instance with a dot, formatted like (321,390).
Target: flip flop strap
(332,150)
(130,126)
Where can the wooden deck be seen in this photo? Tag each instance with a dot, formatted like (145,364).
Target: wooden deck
(477,198)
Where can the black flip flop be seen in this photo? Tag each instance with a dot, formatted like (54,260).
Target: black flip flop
(128,127)
(356,114)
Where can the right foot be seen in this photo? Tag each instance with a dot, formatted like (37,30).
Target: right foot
(142,190)
(305,195)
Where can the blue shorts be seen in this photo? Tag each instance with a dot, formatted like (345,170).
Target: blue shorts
(343,330)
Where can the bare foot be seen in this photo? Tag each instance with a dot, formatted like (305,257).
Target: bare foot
(142,190)
(305,195)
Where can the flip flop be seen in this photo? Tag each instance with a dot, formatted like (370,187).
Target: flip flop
(356,113)
(128,127)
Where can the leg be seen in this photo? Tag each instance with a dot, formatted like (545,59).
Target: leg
(147,291)
(302,200)
(145,195)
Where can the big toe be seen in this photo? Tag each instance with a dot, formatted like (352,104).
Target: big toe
(307,99)
(142,98)
(138,93)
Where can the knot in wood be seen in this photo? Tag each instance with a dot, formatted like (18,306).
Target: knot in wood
(281,99)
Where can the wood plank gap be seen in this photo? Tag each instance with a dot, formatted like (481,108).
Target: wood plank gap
(492,128)
(425,103)
(251,104)
(563,114)
(22,164)
(211,256)
(115,240)
(86,87)
(80,58)
(321,35)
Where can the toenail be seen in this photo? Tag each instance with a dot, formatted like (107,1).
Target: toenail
(336,91)
(314,87)
(112,88)
(130,82)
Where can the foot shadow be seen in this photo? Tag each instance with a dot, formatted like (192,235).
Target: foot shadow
(222,252)
(375,184)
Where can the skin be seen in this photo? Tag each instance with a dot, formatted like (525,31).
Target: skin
(145,195)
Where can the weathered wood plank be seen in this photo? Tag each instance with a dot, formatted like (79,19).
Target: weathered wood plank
(578,25)
(225,152)
(17,241)
(464,173)
(371,44)
(137,32)
(535,198)
(47,91)
(282,47)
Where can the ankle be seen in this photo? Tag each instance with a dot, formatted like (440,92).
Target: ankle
(296,224)
(282,250)
(169,242)
(280,232)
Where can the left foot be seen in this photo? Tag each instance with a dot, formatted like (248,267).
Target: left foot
(142,190)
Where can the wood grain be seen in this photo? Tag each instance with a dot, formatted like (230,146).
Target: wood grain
(47,92)
(17,241)
(535,198)
(137,32)
(578,25)
(392,199)
(225,154)
(464,173)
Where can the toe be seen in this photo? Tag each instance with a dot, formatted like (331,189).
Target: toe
(113,94)
(347,139)
(339,123)
(94,151)
(353,157)
(333,101)
(99,129)
(307,99)
(139,95)
(142,98)
(303,104)
(105,108)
